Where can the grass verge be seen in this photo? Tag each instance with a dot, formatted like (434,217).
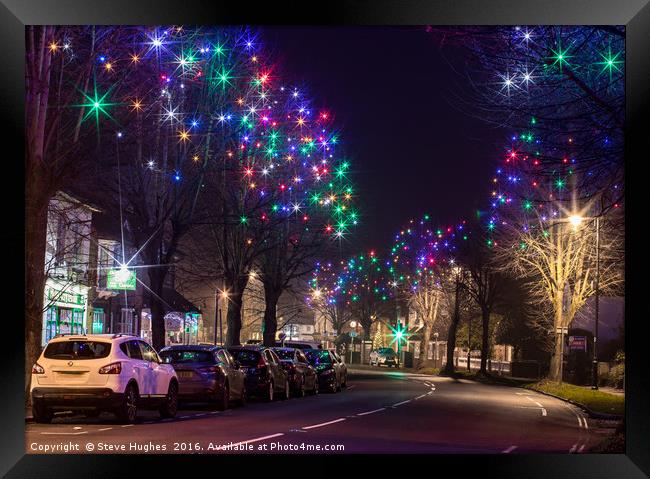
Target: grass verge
(596,401)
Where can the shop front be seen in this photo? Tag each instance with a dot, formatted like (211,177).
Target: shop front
(65,311)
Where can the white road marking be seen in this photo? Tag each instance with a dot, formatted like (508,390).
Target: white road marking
(543,412)
(324,423)
(127,425)
(573,448)
(76,428)
(64,433)
(582,448)
(105,429)
(429,393)
(579,420)
(199,415)
(257,439)
(509,450)
(400,403)
(371,412)
(421,396)
(584,419)
(350,387)
(183,417)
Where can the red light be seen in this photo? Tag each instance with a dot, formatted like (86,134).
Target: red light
(37,369)
(113,368)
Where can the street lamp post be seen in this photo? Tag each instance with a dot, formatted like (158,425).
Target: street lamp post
(469,342)
(594,364)
(576,220)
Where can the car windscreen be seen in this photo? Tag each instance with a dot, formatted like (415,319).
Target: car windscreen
(386,351)
(284,353)
(318,357)
(77,350)
(245,357)
(180,356)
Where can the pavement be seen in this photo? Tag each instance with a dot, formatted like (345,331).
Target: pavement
(381,411)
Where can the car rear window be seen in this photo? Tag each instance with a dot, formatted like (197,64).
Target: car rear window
(245,357)
(284,353)
(77,350)
(318,357)
(186,356)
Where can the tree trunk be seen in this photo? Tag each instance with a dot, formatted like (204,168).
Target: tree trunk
(555,368)
(271,297)
(235,302)
(485,345)
(424,345)
(366,324)
(451,335)
(157,281)
(35,243)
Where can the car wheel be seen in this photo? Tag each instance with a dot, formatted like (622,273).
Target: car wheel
(301,391)
(242,397)
(270,394)
(42,414)
(316,389)
(170,406)
(128,410)
(287,390)
(223,399)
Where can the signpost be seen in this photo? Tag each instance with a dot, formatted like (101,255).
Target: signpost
(562,332)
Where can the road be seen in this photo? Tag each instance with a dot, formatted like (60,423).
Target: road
(382,411)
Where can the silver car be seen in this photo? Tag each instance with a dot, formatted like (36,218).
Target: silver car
(384,356)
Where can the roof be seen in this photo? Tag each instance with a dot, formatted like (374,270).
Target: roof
(192,347)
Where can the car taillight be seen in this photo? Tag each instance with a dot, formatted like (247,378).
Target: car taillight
(37,369)
(113,368)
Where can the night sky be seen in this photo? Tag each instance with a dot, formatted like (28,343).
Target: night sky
(411,149)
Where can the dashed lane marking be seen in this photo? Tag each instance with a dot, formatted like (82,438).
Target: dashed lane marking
(314,426)
(257,439)
(64,433)
(509,450)
(573,449)
(371,412)
(105,429)
(129,425)
(582,448)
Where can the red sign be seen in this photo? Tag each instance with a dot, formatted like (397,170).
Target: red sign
(578,343)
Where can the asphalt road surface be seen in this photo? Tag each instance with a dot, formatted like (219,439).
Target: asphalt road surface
(381,411)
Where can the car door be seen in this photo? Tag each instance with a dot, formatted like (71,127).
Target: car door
(238,377)
(224,361)
(158,374)
(279,376)
(140,366)
(307,370)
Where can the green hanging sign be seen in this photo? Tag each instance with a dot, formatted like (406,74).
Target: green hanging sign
(120,278)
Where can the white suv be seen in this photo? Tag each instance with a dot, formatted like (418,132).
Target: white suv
(102,372)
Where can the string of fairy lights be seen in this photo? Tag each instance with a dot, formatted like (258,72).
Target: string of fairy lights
(547,168)
(212,93)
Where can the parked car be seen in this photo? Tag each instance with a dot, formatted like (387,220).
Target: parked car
(302,375)
(384,356)
(102,372)
(327,367)
(264,374)
(207,373)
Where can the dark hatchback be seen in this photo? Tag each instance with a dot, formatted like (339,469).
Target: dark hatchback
(331,374)
(206,373)
(265,376)
(302,375)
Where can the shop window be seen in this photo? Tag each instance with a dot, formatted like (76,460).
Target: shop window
(98,321)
